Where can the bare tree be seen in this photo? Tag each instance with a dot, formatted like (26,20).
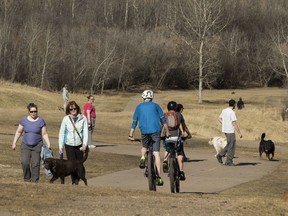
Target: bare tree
(122,70)
(48,56)
(193,22)
(280,39)
(5,32)
(235,49)
(32,33)
(108,55)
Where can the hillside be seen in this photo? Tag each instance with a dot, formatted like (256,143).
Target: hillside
(262,112)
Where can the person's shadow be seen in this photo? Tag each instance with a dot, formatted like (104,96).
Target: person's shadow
(247,164)
(195,161)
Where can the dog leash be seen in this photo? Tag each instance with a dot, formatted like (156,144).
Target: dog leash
(76,129)
(87,148)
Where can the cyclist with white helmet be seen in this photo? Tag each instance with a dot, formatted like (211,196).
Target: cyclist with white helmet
(150,117)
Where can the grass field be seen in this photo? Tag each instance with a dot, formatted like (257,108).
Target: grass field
(262,113)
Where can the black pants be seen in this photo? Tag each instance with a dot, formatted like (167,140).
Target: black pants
(74,153)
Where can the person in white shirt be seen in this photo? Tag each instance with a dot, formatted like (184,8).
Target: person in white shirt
(229,125)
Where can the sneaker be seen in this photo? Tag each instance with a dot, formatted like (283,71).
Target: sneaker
(229,164)
(142,163)
(159,181)
(219,158)
(182,176)
(165,166)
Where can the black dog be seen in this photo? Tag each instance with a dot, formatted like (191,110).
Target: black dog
(62,168)
(266,146)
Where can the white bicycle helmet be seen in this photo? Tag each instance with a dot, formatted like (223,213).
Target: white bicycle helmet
(147,94)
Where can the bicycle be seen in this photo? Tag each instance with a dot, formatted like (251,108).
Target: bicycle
(171,145)
(150,168)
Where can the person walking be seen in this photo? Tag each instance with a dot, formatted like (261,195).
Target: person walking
(34,129)
(150,117)
(65,95)
(90,114)
(229,124)
(240,104)
(73,135)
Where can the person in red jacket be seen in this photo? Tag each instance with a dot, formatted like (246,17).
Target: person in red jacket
(90,114)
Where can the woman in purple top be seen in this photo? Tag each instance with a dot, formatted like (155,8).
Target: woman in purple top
(34,129)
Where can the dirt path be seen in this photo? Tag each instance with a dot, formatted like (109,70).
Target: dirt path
(203,173)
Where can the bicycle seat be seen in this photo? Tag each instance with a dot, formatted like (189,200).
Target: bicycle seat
(172,139)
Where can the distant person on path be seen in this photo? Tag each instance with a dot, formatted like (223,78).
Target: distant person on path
(184,127)
(34,129)
(73,135)
(240,104)
(90,114)
(151,118)
(229,125)
(65,95)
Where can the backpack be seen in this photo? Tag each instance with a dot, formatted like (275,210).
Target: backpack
(172,120)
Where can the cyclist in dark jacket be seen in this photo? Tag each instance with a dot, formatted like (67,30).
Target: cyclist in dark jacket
(176,135)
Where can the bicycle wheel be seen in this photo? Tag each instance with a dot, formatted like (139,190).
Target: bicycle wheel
(177,177)
(172,174)
(151,172)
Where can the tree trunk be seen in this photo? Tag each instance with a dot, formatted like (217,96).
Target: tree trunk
(200,100)
(48,38)
(122,70)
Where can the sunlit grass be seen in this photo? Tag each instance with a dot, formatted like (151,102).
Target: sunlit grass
(114,114)
(114,111)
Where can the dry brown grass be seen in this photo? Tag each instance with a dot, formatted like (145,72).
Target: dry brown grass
(261,112)
(266,196)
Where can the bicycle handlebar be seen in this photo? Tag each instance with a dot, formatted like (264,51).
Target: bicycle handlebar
(135,140)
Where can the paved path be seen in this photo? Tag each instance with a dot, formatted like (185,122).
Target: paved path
(203,173)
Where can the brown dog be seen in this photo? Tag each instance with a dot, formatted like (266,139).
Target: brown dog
(62,168)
